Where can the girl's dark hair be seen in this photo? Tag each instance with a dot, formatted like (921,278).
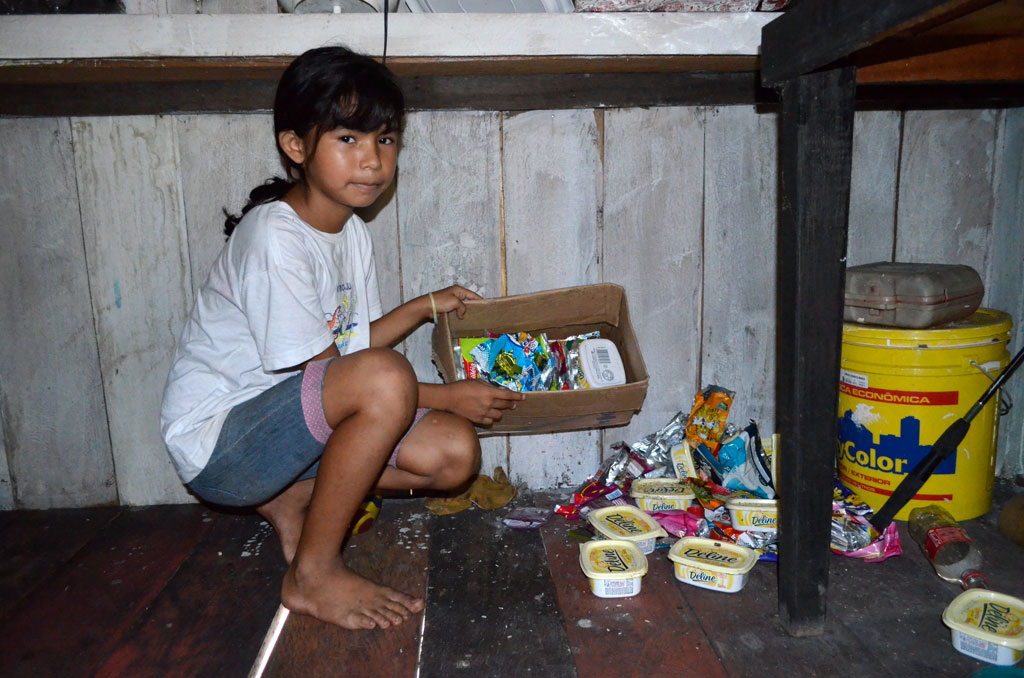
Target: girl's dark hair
(324,89)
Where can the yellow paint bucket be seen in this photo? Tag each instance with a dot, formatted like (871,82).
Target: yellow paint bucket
(900,389)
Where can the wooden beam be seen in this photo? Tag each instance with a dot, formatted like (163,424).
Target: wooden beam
(495,93)
(270,68)
(795,43)
(503,93)
(925,96)
(997,60)
(816,144)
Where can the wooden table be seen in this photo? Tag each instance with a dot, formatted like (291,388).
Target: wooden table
(816,55)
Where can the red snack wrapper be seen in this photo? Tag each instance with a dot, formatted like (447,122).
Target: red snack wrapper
(585,494)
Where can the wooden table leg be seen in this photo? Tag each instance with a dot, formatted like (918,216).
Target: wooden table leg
(814,153)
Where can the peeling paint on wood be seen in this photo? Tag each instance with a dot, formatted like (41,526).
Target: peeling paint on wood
(653,246)
(448,202)
(738,340)
(876,149)
(550,165)
(54,426)
(133,218)
(1003,280)
(222,158)
(946,192)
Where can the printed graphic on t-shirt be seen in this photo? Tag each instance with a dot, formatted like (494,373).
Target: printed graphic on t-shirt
(343,322)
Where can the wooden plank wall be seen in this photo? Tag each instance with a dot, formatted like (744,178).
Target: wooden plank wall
(108,225)
(1005,275)
(55,434)
(550,182)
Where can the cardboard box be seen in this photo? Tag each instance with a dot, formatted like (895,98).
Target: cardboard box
(559,314)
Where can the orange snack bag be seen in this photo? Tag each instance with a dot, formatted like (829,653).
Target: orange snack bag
(707,419)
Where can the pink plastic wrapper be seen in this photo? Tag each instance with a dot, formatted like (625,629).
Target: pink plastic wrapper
(679,523)
(679,5)
(852,533)
(887,546)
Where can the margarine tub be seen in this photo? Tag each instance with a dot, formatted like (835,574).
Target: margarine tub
(753,515)
(682,461)
(711,564)
(615,567)
(987,625)
(661,494)
(629,523)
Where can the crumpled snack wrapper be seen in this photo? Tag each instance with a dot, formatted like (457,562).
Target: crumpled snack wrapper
(853,535)
(486,492)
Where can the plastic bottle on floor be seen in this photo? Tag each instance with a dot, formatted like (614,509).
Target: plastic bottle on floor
(947,546)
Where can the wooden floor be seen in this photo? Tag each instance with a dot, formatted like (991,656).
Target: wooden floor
(190,591)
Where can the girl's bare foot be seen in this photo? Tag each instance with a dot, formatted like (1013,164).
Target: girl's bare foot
(286,512)
(342,597)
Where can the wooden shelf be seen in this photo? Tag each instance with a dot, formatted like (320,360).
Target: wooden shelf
(434,36)
(137,64)
(119,64)
(962,41)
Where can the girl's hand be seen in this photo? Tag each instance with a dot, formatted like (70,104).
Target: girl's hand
(480,402)
(451,299)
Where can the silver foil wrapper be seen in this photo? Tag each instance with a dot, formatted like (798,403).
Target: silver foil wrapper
(757,540)
(649,457)
(848,536)
(460,369)
(655,448)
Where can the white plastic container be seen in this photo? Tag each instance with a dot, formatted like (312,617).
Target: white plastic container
(601,363)
(615,567)
(711,564)
(629,523)
(753,515)
(661,494)
(987,625)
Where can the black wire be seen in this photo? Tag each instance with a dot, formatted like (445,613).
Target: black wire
(384,55)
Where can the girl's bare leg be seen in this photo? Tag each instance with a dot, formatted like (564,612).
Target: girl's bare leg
(286,512)
(369,399)
(441,452)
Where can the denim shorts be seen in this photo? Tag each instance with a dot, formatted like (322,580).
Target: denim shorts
(271,441)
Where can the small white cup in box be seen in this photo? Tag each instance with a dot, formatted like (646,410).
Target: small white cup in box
(711,564)
(987,625)
(629,523)
(753,515)
(601,363)
(661,494)
(615,567)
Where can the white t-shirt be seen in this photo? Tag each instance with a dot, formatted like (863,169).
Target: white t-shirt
(278,294)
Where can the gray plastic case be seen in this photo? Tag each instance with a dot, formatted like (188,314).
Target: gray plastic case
(911,296)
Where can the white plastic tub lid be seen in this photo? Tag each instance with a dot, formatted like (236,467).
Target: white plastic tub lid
(713,555)
(661,488)
(751,504)
(612,559)
(988,615)
(625,522)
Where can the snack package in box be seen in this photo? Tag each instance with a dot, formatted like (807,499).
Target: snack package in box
(558,314)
